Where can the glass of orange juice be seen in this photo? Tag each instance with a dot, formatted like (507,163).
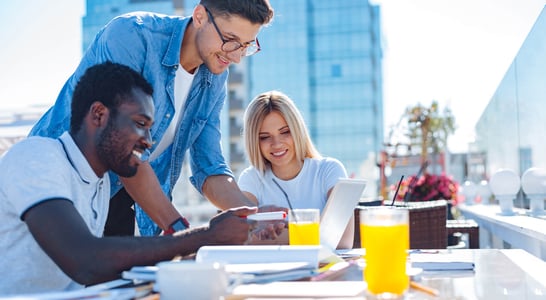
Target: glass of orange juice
(384,233)
(303,227)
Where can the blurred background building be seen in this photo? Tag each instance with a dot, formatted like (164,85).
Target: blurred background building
(510,131)
(15,125)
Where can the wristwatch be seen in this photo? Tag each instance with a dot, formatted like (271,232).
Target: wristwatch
(178,225)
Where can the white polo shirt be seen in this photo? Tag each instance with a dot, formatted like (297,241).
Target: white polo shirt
(35,170)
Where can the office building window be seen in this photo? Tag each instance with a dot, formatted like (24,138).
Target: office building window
(336,71)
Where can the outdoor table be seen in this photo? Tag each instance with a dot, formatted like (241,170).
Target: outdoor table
(498,274)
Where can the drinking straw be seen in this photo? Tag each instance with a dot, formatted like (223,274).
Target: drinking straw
(397,189)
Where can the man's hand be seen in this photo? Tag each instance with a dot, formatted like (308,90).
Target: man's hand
(267,230)
(231,226)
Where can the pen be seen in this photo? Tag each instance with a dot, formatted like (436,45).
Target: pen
(425,289)
(273,215)
(332,271)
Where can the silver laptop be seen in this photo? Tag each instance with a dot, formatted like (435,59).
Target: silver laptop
(338,211)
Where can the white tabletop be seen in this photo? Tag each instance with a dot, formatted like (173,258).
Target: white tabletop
(498,274)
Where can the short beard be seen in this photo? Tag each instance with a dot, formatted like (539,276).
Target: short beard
(111,152)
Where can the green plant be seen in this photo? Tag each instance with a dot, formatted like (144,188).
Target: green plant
(429,128)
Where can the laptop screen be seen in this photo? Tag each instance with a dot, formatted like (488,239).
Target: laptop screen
(338,210)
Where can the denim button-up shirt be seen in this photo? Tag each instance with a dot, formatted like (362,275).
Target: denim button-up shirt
(150,43)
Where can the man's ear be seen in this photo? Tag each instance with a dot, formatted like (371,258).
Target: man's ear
(199,16)
(99,114)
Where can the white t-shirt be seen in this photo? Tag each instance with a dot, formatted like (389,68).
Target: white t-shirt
(309,189)
(35,170)
(182,84)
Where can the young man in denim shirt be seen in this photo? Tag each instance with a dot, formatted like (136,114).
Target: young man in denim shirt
(186,60)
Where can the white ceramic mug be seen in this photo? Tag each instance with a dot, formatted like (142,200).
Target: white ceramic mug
(191,280)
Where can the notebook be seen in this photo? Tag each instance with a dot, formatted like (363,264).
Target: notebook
(263,263)
(338,211)
(442,260)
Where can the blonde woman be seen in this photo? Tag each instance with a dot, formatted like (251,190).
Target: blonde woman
(284,160)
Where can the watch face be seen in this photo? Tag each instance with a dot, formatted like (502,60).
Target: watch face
(180,224)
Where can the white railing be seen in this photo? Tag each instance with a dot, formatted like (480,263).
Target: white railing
(503,232)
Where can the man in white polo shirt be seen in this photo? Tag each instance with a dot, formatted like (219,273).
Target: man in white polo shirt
(54,193)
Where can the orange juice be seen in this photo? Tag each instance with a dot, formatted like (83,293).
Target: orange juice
(303,233)
(386,257)
(384,233)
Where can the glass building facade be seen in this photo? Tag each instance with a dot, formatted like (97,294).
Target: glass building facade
(511,129)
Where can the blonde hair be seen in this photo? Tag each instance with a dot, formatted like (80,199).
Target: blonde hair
(261,106)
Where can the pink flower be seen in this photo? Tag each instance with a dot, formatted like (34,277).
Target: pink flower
(428,187)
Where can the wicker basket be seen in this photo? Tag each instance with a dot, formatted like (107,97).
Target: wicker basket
(427,224)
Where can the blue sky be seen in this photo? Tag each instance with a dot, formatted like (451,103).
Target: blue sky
(40,47)
(453,51)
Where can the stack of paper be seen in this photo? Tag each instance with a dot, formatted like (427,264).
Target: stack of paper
(265,263)
(269,272)
(93,292)
(442,260)
(250,264)
(241,273)
(143,273)
(259,254)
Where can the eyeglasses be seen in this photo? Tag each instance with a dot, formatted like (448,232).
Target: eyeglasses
(250,48)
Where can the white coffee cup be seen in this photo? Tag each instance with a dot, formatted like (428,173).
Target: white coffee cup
(191,280)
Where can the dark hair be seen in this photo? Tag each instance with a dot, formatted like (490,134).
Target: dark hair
(256,11)
(110,83)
